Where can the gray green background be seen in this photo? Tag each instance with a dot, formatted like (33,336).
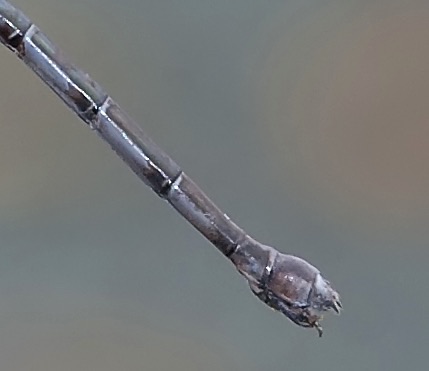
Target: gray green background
(306,121)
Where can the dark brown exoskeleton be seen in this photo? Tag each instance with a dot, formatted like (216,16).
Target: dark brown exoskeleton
(287,283)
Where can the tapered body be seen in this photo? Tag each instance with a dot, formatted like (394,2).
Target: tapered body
(284,282)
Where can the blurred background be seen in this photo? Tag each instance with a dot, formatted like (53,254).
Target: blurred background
(306,121)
